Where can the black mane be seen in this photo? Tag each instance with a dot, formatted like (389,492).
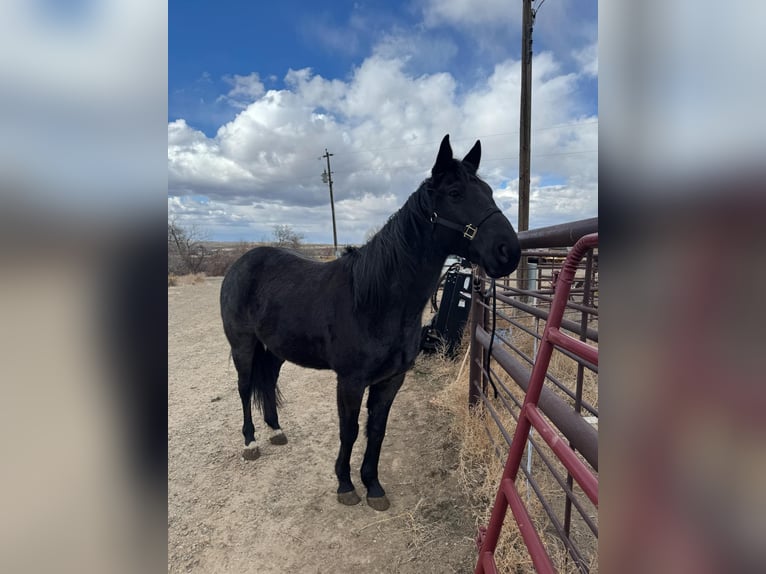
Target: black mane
(392,253)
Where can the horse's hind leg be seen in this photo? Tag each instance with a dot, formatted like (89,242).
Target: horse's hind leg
(243,350)
(267,389)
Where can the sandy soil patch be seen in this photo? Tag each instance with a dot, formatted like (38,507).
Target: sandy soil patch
(279,513)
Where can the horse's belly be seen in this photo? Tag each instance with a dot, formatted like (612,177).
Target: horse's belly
(301,350)
(372,367)
(308,362)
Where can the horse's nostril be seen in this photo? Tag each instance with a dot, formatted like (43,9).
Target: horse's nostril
(502,250)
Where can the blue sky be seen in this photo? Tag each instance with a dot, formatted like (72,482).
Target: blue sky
(256,91)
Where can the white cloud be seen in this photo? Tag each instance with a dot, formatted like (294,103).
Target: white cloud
(588,59)
(470,13)
(196,164)
(384,124)
(549,204)
(244,89)
(420,51)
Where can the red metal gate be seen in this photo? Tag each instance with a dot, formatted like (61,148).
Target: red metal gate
(530,417)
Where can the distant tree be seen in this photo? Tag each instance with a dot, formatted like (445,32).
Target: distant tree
(186,253)
(285,236)
(219,260)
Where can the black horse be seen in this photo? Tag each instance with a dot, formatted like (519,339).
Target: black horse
(359,315)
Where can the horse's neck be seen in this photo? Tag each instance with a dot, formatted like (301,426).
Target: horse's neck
(414,284)
(425,275)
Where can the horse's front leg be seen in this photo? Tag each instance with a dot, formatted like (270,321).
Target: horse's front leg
(379,402)
(349,402)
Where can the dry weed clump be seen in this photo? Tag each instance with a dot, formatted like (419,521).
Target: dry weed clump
(480,467)
(188,279)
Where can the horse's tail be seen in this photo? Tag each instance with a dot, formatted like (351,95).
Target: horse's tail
(264,375)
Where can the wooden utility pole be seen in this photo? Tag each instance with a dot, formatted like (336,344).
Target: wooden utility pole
(327,178)
(525,131)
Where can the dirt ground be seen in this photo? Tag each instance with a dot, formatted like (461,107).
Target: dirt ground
(279,513)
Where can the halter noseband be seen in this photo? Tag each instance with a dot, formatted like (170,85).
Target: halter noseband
(468,230)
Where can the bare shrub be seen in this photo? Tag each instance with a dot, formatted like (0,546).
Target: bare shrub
(186,252)
(219,260)
(286,236)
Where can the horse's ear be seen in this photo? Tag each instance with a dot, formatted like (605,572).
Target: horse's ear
(473,157)
(444,159)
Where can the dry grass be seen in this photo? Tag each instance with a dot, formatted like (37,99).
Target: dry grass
(479,468)
(561,367)
(422,531)
(189,279)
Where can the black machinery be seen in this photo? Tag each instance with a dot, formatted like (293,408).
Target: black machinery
(446,327)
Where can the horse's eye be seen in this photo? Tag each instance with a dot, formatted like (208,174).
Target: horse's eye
(454,191)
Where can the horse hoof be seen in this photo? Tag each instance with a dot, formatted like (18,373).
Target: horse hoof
(349,498)
(278,438)
(251,452)
(379,503)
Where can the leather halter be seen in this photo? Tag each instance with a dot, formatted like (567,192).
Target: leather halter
(468,230)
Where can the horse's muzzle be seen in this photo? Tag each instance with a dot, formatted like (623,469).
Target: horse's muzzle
(504,257)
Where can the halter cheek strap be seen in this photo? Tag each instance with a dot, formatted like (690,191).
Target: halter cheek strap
(468,230)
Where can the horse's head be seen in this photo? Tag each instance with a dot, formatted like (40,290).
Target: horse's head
(467,222)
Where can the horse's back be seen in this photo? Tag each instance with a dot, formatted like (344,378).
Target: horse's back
(263,263)
(286,300)
(264,273)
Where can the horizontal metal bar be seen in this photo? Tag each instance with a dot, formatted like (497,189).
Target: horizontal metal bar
(529,360)
(539,337)
(568,324)
(587,352)
(552,252)
(582,435)
(564,235)
(543,295)
(579,360)
(584,477)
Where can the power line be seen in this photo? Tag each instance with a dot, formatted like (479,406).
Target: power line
(483,160)
(303,178)
(543,154)
(480,136)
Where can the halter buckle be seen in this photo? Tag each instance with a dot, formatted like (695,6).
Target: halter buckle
(469,232)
